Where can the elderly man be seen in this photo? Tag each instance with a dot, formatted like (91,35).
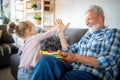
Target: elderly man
(95,57)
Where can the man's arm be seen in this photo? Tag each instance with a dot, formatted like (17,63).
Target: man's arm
(70,58)
(62,27)
(63,40)
(90,61)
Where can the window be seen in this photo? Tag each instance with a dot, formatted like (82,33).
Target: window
(1,8)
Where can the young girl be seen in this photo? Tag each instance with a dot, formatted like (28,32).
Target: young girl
(31,48)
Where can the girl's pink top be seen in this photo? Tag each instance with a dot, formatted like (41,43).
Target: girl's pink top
(31,49)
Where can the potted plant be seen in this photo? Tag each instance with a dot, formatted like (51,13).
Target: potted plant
(38,19)
(34,6)
(4,19)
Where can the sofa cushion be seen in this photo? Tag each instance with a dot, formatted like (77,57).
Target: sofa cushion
(74,34)
(5,38)
(7,48)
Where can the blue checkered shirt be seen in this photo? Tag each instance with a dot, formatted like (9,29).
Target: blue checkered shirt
(105,46)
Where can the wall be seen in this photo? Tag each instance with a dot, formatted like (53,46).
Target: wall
(73,11)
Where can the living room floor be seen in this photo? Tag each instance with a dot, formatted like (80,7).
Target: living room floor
(5,73)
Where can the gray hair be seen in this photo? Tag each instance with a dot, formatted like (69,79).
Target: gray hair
(97,9)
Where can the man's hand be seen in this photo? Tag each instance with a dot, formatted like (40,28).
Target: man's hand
(61,25)
(68,57)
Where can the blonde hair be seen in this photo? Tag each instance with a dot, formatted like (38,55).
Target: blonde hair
(20,28)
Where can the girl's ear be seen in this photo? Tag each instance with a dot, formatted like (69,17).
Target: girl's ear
(28,30)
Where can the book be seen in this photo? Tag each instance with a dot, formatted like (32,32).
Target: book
(51,53)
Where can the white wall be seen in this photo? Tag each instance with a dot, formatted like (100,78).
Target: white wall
(73,11)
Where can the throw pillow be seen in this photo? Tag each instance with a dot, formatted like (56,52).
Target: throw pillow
(7,49)
(0,33)
(5,38)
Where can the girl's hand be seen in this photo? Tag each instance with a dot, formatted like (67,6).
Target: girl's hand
(60,24)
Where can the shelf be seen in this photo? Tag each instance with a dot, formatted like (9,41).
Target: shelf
(20,10)
(37,11)
(48,27)
(38,25)
(45,8)
(19,2)
(29,1)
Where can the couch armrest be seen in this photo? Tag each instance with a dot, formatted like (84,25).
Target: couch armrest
(14,62)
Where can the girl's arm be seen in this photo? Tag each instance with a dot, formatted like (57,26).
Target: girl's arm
(47,34)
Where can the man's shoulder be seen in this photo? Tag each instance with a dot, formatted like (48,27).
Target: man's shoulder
(111,33)
(112,30)
(117,30)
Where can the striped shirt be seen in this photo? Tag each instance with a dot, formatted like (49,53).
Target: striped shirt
(105,46)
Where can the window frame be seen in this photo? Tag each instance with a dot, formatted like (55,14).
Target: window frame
(1,8)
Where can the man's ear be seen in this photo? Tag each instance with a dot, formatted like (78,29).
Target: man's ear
(101,18)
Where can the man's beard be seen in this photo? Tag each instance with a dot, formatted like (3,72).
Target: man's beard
(93,28)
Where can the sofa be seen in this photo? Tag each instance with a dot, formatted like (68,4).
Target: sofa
(72,35)
(7,47)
